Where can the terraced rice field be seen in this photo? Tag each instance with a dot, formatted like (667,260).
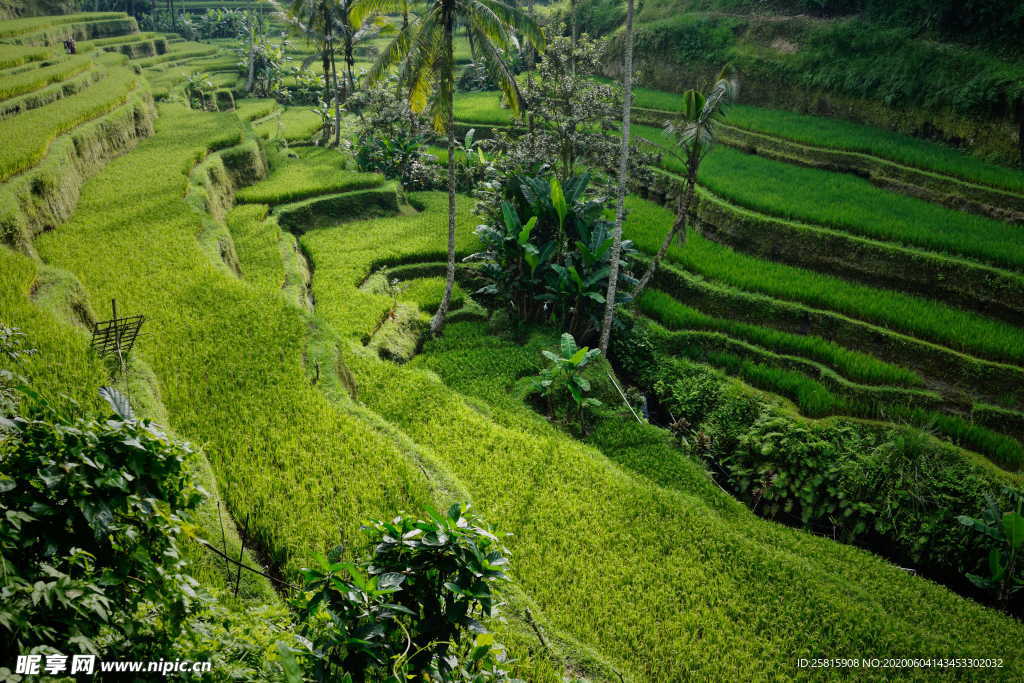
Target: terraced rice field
(277,281)
(865,262)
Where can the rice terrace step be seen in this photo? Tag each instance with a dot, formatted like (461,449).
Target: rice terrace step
(586,341)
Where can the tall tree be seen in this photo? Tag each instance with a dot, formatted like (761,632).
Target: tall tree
(620,207)
(322,21)
(694,132)
(424,54)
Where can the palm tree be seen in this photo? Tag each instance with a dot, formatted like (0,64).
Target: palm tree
(695,134)
(322,21)
(424,55)
(616,253)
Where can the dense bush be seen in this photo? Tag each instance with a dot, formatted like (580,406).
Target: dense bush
(599,17)
(93,509)
(570,117)
(888,487)
(554,267)
(412,606)
(391,139)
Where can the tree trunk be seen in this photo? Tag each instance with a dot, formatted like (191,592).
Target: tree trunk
(572,55)
(437,323)
(616,254)
(337,96)
(682,211)
(325,61)
(1020,129)
(531,51)
(350,62)
(250,81)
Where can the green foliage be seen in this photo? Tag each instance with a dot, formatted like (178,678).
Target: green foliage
(412,607)
(391,139)
(686,38)
(570,115)
(402,158)
(1004,531)
(93,508)
(599,17)
(555,266)
(564,375)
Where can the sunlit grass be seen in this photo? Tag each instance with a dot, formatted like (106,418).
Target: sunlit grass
(647,223)
(319,171)
(229,357)
(852,204)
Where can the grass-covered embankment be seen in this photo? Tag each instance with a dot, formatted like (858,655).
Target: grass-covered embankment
(229,358)
(927,319)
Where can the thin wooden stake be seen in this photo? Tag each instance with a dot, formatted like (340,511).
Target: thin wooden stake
(624,399)
(223,540)
(241,555)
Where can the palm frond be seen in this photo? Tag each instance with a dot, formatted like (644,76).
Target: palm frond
(394,54)
(515,19)
(498,68)
(361,10)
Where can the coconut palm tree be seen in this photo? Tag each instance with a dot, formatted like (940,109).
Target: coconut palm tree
(324,22)
(616,253)
(424,55)
(695,132)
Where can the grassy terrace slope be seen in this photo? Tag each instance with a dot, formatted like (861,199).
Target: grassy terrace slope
(852,204)
(918,316)
(669,581)
(228,357)
(28,136)
(850,136)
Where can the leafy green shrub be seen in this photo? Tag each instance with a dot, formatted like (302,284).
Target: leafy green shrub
(401,157)
(565,376)
(93,509)
(1005,531)
(412,606)
(555,266)
(391,139)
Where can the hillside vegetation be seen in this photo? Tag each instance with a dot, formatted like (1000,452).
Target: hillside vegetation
(789,449)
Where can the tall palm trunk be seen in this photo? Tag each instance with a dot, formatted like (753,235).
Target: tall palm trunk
(616,253)
(531,52)
(350,62)
(683,205)
(337,96)
(250,81)
(437,324)
(575,38)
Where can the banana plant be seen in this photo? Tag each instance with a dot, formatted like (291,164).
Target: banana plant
(565,375)
(1004,530)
